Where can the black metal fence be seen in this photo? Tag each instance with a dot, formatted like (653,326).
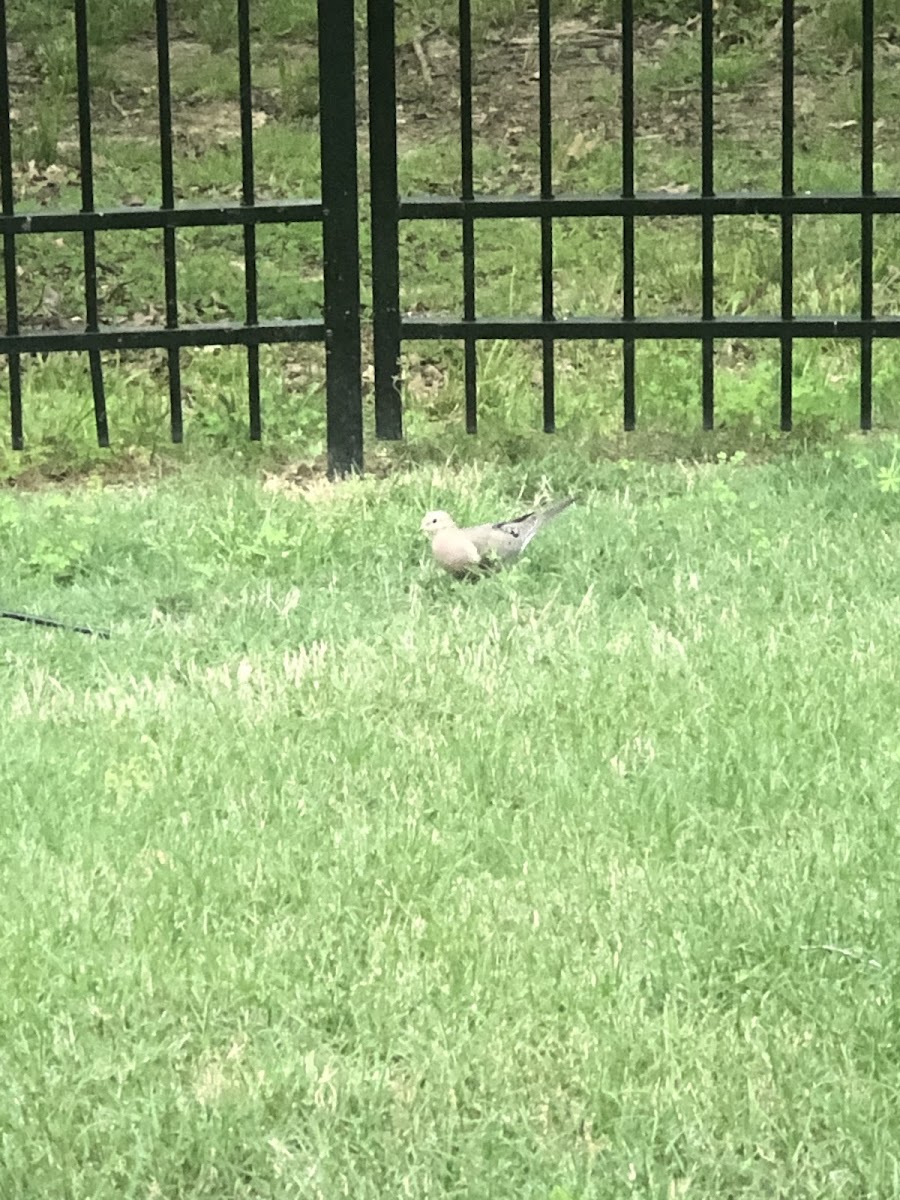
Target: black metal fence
(337,211)
(388,210)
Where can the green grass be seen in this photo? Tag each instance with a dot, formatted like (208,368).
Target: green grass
(330,876)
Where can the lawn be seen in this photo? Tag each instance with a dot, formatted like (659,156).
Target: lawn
(329,876)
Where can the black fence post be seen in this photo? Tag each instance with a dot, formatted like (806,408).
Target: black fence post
(167,180)
(867,191)
(86,155)
(545,138)
(248,200)
(707,238)
(385,225)
(629,408)
(787,219)
(467,196)
(9,242)
(340,236)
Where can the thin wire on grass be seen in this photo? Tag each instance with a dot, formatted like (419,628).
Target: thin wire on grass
(52,623)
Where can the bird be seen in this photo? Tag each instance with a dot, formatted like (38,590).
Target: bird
(471,551)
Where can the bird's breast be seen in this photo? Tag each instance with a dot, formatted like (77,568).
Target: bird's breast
(454,551)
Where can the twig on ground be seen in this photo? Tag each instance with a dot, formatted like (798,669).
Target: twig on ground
(424,64)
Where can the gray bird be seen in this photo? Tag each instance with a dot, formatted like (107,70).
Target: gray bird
(481,547)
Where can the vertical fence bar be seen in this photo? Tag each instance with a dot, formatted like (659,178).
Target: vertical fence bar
(87,205)
(170,267)
(385,223)
(468,192)
(867,248)
(548,373)
(787,219)
(707,183)
(340,235)
(248,199)
(629,415)
(7,202)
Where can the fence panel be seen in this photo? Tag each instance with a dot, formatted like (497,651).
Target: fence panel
(336,210)
(388,210)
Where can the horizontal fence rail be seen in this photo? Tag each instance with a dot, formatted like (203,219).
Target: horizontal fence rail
(388,210)
(650,204)
(185,216)
(670,328)
(336,212)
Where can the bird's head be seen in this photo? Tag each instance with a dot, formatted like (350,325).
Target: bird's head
(436,522)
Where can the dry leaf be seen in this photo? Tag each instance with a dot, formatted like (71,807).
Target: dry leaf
(580,147)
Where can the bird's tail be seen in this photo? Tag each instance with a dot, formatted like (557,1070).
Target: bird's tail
(531,522)
(553,510)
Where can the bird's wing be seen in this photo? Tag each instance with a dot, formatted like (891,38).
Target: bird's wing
(507,539)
